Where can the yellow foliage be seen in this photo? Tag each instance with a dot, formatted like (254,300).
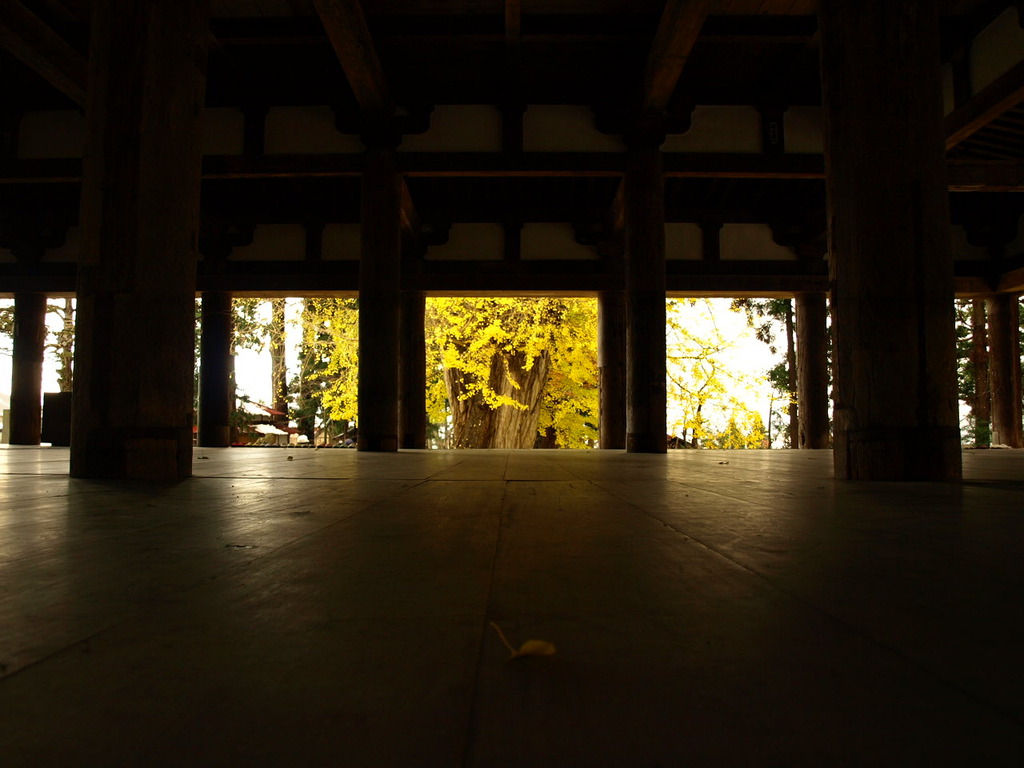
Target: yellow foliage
(703,391)
(468,334)
(331,336)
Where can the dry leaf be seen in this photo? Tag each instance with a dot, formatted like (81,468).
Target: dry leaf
(535,648)
(529,648)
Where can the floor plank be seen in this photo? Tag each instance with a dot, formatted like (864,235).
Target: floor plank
(709,608)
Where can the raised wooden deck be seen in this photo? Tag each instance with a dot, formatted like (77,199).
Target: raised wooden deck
(314,608)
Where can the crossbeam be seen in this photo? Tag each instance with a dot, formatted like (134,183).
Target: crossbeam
(35,44)
(965,174)
(350,37)
(1004,93)
(678,30)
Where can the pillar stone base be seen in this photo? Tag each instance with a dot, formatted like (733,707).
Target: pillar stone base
(920,454)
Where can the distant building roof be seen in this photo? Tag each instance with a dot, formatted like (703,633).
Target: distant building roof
(258,409)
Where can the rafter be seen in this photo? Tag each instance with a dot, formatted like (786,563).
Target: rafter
(513,48)
(29,39)
(350,37)
(1004,93)
(409,217)
(680,25)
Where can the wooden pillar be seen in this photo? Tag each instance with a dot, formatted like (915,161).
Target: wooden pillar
(894,367)
(216,392)
(611,362)
(812,369)
(27,368)
(644,209)
(981,407)
(379,302)
(132,408)
(1004,369)
(413,403)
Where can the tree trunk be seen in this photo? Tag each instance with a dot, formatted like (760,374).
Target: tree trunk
(1004,369)
(278,366)
(981,407)
(547,440)
(65,347)
(306,419)
(475,424)
(791,379)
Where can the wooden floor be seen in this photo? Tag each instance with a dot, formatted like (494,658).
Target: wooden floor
(332,608)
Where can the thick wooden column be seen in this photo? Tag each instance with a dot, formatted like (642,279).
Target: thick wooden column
(132,408)
(812,369)
(981,407)
(413,374)
(1004,369)
(611,362)
(644,213)
(27,368)
(216,391)
(894,367)
(379,302)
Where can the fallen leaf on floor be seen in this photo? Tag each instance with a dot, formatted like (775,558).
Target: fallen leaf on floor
(529,648)
(535,648)
(204,457)
(723,462)
(291,458)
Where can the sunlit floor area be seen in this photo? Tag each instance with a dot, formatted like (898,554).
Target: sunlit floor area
(333,608)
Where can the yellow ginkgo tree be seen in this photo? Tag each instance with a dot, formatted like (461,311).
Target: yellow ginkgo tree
(707,396)
(511,370)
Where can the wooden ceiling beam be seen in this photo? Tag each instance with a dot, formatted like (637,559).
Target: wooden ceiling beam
(678,30)
(965,174)
(1011,282)
(409,217)
(29,39)
(350,37)
(1004,93)
(513,49)
(971,175)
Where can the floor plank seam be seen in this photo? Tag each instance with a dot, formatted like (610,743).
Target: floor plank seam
(471,717)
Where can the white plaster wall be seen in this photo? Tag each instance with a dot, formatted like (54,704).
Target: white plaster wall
(542,240)
(482,242)
(223,131)
(996,48)
(752,242)
(948,94)
(306,130)
(274,242)
(459,128)
(69,251)
(684,241)
(565,128)
(341,242)
(719,129)
(1016,248)
(805,130)
(963,250)
(47,135)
